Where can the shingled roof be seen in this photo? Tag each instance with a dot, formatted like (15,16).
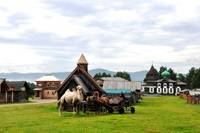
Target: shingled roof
(80,77)
(17,85)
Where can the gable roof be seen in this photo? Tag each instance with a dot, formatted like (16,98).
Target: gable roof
(152,74)
(17,85)
(48,78)
(81,77)
(152,70)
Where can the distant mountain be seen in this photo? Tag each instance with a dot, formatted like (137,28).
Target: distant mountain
(138,76)
(31,77)
(99,70)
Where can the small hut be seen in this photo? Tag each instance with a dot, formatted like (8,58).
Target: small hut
(18,91)
(80,76)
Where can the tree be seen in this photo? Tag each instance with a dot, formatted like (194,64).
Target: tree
(172,74)
(182,77)
(193,78)
(162,69)
(123,75)
(31,90)
(189,77)
(100,75)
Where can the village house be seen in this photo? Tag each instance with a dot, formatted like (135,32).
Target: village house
(46,87)
(13,91)
(153,84)
(19,91)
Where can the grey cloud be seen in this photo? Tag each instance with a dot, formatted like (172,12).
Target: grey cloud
(184,27)
(18,19)
(70,7)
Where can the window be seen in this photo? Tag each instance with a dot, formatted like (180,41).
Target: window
(159,89)
(39,84)
(151,89)
(48,84)
(165,88)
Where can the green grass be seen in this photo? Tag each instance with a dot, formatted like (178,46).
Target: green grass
(154,115)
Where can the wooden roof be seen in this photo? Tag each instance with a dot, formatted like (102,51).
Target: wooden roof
(80,77)
(82,60)
(48,78)
(153,70)
(17,85)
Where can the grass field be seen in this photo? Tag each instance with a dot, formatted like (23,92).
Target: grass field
(165,114)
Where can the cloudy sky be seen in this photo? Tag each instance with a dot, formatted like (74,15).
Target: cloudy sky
(126,35)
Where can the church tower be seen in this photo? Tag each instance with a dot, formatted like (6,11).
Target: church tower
(152,74)
(82,63)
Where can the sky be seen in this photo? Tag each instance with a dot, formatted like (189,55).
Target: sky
(118,35)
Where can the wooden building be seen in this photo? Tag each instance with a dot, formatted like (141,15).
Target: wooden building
(162,86)
(3,91)
(46,87)
(119,83)
(18,91)
(80,76)
(116,86)
(13,91)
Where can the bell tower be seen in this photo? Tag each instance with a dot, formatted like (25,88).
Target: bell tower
(82,63)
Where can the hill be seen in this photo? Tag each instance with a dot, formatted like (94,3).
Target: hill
(31,77)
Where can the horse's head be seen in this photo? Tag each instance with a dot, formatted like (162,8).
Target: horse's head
(94,96)
(80,89)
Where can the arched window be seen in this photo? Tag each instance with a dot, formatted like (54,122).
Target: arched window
(171,88)
(151,89)
(159,89)
(178,89)
(165,91)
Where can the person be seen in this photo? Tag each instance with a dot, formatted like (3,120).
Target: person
(84,105)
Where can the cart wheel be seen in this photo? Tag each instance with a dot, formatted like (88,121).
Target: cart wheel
(121,110)
(132,110)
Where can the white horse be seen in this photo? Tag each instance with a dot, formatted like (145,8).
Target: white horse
(74,97)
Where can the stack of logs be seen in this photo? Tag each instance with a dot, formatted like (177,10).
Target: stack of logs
(192,97)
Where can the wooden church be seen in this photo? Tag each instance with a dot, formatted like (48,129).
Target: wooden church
(80,76)
(153,84)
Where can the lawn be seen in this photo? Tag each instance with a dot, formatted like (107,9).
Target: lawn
(165,114)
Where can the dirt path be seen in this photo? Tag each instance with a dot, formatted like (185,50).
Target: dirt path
(35,101)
